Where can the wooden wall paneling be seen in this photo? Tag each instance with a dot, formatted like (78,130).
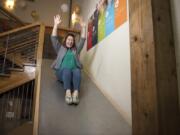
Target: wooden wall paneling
(153,69)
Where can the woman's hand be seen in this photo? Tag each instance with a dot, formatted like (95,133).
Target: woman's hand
(57,20)
(83,28)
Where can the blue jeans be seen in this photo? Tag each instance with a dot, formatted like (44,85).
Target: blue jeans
(71,78)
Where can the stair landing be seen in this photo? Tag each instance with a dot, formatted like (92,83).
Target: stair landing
(16,79)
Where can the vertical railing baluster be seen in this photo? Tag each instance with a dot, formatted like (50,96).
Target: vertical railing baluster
(36,45)
(26,98)
(7,105)
(17,106)
(31,98)
(5,55)
(22,98)
(13,101)
(3,103)
(10,104)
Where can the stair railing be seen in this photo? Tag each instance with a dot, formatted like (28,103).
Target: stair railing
(20,48)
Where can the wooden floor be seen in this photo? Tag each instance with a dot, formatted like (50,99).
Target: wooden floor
(25,129)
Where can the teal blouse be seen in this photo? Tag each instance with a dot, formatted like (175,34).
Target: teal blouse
(68,60)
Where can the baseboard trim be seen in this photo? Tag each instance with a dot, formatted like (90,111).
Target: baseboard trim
(112,101)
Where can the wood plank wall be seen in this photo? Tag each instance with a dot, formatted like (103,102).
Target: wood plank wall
(154,82)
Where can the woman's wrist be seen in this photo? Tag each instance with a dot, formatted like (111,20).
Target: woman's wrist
(54,31)
(83,31)
(56,25)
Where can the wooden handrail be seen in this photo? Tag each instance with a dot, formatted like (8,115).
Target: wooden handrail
(38,80)
(20,29)
(8,14)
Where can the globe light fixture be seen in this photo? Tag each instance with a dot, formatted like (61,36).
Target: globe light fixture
(64,8)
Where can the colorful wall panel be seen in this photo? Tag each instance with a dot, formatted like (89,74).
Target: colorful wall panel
(108,16)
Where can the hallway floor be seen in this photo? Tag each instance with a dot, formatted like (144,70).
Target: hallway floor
(93,116)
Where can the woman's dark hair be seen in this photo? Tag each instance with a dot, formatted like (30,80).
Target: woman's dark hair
(64,41)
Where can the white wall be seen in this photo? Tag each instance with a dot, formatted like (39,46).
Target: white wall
(45,8)
(175,6)
(108,63)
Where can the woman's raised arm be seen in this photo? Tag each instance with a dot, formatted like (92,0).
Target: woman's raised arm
(83,37)
(57,21)
(54,35)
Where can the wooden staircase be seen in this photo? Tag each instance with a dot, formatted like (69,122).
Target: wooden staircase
(9,21)
(20,61)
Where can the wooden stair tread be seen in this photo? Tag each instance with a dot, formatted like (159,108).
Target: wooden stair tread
(18,60)
(16,79)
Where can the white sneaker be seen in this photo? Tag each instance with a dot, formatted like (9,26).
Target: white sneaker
(75,98)
(68,97)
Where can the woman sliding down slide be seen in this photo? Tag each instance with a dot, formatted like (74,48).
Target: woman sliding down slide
(67,63)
